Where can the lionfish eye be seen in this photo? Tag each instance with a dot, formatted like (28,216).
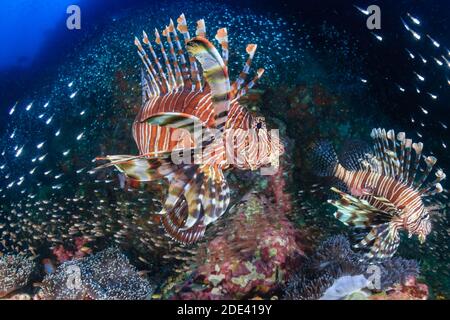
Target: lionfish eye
(259,125)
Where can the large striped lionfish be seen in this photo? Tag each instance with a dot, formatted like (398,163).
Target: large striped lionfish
(383,190)
(189,108)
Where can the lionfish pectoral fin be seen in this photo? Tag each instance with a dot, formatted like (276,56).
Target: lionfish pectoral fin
(172,223)
(216,197)
(216,74)
(356,212)
(197,197)
(140,168)
(176,120)
(382,240)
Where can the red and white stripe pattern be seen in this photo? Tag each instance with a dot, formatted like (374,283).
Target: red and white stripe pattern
(177,98)
(391,188)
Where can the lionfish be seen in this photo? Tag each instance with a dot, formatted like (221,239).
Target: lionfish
(177,101)
(384,188)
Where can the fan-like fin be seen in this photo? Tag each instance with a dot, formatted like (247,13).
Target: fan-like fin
(382,240)
(172,223)
(183,28)
(216,74)
(357,212)
(353,153)
(140,168)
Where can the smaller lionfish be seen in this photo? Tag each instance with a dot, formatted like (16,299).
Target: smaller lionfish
(179,98)
(384,188)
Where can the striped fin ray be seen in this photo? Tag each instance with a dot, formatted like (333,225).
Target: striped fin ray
(430,161)
(382,240)
(408,153)
(396,154)
(166,88)
(376,134)
(393,154)
(178,74)
(222,37)
(191,194)
(218,197)
(434,187)
(140,168)
(201,29)
(181,54)
(250,85)
(180,183)
(401,158)
(417,147)
(172,81)
(251,49)
(216,74)
(195,76)
(151,72)
(146,87)
(357,212)
(197,196)
(172,223)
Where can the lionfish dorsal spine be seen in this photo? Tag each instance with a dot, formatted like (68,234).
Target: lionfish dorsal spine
(250,85)
(178,73)
(165,86)
(222,37)
(184,68)
(418,148)
(195,75)
(401,141)
(177,69)
(396,155)
(251,49)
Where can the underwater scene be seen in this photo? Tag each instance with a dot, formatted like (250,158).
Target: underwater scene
(224,150)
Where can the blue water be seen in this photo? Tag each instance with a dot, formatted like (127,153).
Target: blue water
(25,27)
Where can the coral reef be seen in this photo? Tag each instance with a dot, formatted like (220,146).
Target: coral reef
(107,275)
(240,264)
(15,273)
(410,290)
(333,260)
(80,250)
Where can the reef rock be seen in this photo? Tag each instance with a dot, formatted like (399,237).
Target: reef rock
(251,256)
(334,271)
(107,275)
(15,272)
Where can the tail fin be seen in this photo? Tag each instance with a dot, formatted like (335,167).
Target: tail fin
(323,158)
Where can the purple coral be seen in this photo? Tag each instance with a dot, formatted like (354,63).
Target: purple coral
(334,259)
